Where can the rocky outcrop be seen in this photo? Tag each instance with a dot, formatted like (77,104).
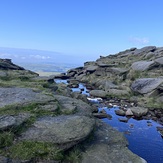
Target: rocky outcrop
(145,50)
(6,64)
(138,69)
(46,118)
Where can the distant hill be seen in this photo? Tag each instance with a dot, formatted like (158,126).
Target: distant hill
(40,60)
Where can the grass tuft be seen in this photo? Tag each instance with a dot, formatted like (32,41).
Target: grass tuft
(27,150)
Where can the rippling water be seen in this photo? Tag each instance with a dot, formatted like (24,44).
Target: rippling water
(142,135)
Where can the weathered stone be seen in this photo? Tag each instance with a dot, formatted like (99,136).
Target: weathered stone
(117,92)
(98,93)
(62,130)
(129,112)
(6,64)
(159,61)
(105,65)
(146,85)
(143,65)
(139,111)
(100,71)
(144,50)
(117,71)
(104,83)
(120,112)
(149,55)
(6,122)
(21,96)
(21,118)
(91,68)
(50,106)
(80,107)
(101,115)
(123,119)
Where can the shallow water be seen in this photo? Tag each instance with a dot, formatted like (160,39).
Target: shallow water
(142,135)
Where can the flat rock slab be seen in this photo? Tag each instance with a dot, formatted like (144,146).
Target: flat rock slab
(117,92)
(118,71)
(91,68)
(146,85)
(8,121)
(73,105)
(109,146)
(17,95)
(60,130)
(142,65)
(98,93)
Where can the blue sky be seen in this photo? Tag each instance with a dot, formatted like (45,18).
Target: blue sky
(81,27)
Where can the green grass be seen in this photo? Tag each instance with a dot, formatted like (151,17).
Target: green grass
(6,139)
(73,156)
(32,108)
(27,150)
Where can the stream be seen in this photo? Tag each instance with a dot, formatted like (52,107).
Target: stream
(142,135)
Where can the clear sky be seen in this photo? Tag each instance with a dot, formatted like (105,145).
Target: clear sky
(81,27)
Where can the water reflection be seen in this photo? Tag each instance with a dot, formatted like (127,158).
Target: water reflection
(142,135)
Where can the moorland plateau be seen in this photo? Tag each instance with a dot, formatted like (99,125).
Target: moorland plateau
(42,121)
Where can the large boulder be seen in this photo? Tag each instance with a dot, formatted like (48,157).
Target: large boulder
(64,131)
(159,61)
(98,93)
(143,65)
(139,111)
(109,146)
(146,85)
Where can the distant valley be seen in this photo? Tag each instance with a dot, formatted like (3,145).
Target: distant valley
(40,60)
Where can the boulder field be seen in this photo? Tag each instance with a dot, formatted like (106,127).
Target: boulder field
(131,78)
(45,122)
